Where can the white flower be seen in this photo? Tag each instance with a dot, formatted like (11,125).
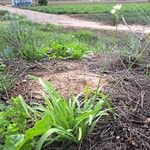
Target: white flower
(113,11)
(117,7)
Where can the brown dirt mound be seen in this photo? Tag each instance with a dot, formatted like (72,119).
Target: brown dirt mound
(68,77)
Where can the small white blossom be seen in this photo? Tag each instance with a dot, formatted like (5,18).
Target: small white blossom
(117,7)
(113,11)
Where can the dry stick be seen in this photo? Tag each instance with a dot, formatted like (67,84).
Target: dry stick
(26,69)
(142,92)
(136,57)
(140,101)
(100,78)
(128,69)
(142,40)
(139,133)
(142,98)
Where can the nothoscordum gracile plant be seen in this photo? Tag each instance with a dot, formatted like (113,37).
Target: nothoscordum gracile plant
(64,120)
(116,11)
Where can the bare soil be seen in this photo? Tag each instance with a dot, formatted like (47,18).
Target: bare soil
(69,77)
(130,97)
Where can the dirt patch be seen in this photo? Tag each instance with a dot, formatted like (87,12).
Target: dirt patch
(67,83)
(129,129)
(68,77)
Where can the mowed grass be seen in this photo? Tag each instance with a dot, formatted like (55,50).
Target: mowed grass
(134,13)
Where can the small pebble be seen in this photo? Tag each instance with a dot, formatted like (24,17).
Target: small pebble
(117,137)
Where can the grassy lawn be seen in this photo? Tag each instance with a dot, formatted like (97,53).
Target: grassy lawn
(134,13)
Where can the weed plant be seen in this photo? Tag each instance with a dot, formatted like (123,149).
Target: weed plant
(6,80)
(100,12)
(59,119)
(33,42)
(23,41)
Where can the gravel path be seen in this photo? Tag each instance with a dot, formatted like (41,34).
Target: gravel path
(67,21)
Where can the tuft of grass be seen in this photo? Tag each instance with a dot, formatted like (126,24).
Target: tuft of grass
(86,36)
(23,41)
(58,119)
(74,119)
(67,46)
(3,13)
(6,82)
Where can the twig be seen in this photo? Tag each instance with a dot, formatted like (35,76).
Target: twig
(142,40)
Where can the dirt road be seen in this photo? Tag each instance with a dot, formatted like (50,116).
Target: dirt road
(68,21)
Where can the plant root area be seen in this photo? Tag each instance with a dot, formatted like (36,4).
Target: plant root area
(129,91)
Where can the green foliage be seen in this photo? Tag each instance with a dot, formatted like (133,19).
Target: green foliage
(59,119)
(6,16)
(33,51)
(2,66)
(134,13)
(85,8)
(50,28)
(23,41)
(33,42)
(73,8)
(6,82)
(42,2)
(71,120)
(73,50)
(86,36)
(13,120)
(3,14)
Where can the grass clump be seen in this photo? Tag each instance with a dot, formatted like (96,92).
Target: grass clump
(23,41)
(67,46)
(13,122)
(6,80)
(3,14)
(58,120)
(86,36)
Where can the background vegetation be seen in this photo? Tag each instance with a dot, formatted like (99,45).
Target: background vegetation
(134,13)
